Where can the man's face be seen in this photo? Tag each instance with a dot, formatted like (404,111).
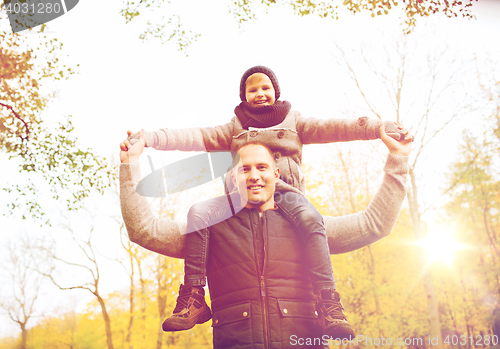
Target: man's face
(255,177)
(259,90)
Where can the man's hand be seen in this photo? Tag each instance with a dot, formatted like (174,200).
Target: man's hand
(131,153)
(401,147)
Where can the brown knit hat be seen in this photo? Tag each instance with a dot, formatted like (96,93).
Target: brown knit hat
(263,70)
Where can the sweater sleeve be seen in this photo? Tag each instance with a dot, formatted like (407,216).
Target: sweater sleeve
(196,138)
(354,231)
(314,131)
(163,236)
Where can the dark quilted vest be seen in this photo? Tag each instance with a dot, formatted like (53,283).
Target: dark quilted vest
(261,294)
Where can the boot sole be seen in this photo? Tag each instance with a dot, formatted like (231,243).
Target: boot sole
(340,331)
(176,324)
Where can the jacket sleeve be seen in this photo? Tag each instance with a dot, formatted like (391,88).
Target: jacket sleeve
(314,131)
(354,231)
(163,236)
(196,138)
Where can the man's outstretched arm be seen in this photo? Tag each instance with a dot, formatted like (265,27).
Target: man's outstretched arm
(348,233)
(354,231)
(143,226)
(345,233)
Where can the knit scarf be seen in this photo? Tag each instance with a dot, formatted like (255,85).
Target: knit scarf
(262,116)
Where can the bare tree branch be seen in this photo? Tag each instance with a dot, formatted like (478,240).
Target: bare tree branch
(20,119)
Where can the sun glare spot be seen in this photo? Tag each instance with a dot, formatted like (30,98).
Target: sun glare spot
(440,246)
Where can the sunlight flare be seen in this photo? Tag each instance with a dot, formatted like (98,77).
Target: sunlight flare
(441,246)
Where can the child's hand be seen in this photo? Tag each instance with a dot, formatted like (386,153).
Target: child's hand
(131,153)
(392,130)
(148,137)
(133,138)
(401,147)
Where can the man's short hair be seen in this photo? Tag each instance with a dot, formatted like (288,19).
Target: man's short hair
(236,157)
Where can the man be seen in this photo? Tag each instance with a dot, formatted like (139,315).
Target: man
(261,294)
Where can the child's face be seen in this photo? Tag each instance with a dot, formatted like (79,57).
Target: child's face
(259,90)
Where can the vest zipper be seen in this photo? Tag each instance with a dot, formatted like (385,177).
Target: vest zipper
(263,284)
(264,311)
(263,300)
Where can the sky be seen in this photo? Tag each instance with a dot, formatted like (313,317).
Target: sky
(124,83)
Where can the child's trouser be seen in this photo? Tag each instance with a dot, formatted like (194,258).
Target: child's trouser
(296,209)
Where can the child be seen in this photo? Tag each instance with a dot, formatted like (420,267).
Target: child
(262,117)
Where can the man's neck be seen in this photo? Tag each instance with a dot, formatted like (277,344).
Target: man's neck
(269,205)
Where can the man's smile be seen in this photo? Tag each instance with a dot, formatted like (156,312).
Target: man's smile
(255,187)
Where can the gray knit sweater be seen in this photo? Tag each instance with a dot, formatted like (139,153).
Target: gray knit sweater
(346,233)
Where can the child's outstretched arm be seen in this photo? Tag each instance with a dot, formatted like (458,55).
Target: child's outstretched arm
(346,233)
(188,139)
(314,131)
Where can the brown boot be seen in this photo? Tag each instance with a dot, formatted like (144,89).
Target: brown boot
(191,309)
(331,315)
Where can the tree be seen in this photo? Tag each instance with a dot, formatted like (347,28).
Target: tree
(131,250)
(474,180)
(376,282)
(28,64)
(425,110)
(168,272)
(91,268)
(355,180)
(56,332)
(172,29)
(140,256)
(20,302)
(159,278)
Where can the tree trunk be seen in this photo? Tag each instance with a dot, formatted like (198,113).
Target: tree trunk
(162,297)
(131,300)
(432,307)
(159,338)
(24,335)
(143,302)
(378,311)
(109,339)
(371,262)
(454,321)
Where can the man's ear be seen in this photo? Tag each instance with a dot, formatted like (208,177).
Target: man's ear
(233,178)
(277,173)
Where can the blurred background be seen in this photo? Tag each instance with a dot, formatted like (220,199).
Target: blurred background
(70,90)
